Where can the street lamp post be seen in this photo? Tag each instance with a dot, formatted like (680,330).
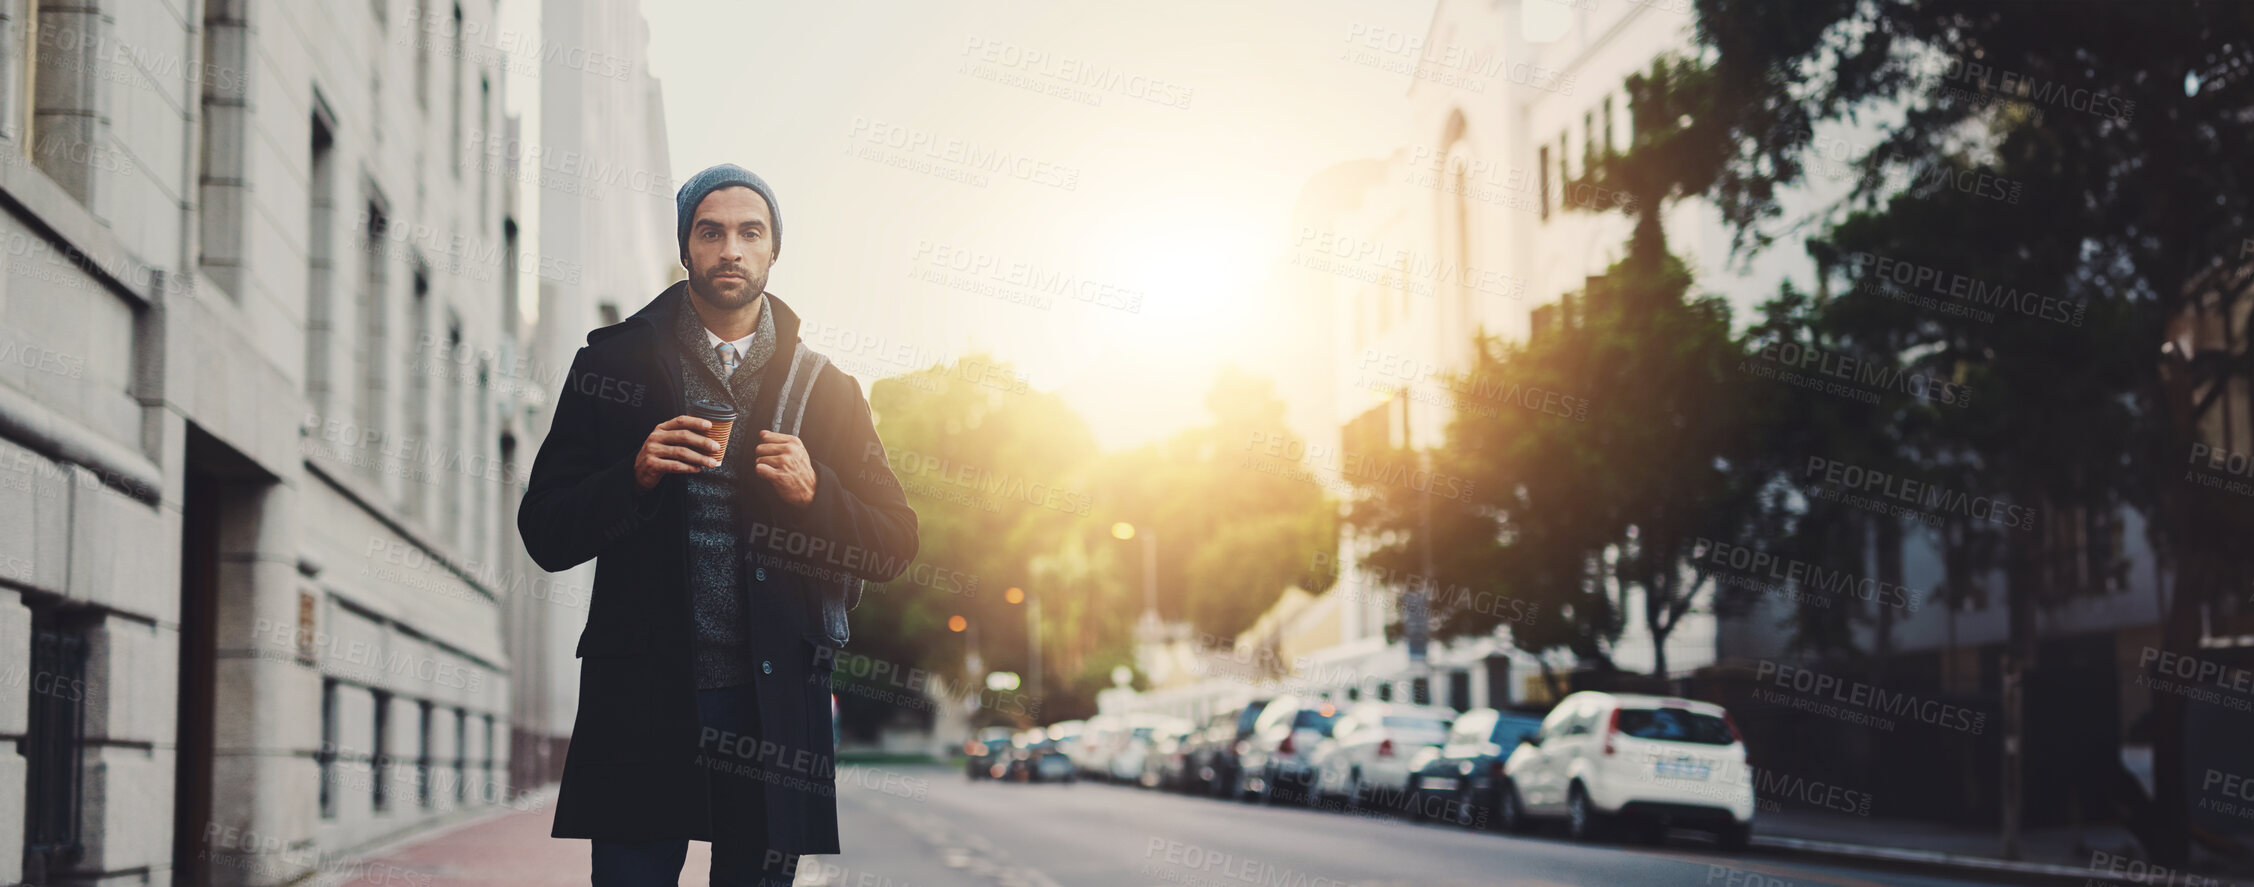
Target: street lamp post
(1016,595)
(1124,531)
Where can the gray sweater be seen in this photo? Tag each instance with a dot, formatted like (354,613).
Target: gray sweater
(724,657)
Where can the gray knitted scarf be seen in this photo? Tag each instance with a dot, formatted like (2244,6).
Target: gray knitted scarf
(723,648)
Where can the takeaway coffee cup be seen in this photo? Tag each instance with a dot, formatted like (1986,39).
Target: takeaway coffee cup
(721,415)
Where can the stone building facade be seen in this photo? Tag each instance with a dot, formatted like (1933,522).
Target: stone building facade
(265,411)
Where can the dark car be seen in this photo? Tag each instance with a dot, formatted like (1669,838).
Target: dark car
(987,757)
(1212,763)
(1457,780)
(1034,757)
(1276,761)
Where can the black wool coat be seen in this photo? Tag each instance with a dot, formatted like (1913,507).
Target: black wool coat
(632,771)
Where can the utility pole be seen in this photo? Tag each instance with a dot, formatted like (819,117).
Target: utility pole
(1150,576)
(1033,640)
(1416,615)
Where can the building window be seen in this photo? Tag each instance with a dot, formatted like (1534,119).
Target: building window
(1542,163)
(490,788)
(418,384)
(422,54)
(320,264)
(481,521)
(461,755)
(379,759)
(1385,692)
(66,123)
(326,755)
(509,309)
(224,183)
(1588,140)
(1610,147)
(16,20)
(422,754)
(54,747)
(452,419)
(481,135)
(459,86)
(374,324)
(1564,175)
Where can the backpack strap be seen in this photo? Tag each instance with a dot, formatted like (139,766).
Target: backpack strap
(806,366)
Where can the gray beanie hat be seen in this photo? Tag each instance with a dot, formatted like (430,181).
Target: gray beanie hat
(712,179)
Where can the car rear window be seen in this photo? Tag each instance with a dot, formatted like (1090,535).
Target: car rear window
(1674,725)
(1311,719)
(1508,731)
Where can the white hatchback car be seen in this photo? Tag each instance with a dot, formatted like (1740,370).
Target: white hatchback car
(1367,754)
(1648,761)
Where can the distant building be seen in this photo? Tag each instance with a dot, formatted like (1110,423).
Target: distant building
(604,188)
(266,403)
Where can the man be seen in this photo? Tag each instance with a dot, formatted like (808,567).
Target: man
(722,576)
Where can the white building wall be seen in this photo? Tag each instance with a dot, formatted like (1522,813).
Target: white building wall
(159,274)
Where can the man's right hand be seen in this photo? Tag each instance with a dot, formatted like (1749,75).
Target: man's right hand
(676,447)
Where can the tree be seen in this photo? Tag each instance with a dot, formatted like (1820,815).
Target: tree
(1237,514)
(2128,122)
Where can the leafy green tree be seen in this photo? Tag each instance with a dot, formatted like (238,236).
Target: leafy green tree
(1237,516)
(2125,122)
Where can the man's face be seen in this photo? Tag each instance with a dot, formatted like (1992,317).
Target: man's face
(731,247)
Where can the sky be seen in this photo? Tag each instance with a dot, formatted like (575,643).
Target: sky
(924,177)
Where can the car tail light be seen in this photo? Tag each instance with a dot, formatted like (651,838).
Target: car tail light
(1495,768)
(1385,749)
(1611,729)
(1285,748)
(972,748)
(1735,736)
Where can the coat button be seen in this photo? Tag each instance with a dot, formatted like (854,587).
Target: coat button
(759,574)
(766,667)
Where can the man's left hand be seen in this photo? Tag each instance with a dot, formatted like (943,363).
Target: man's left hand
(784,463)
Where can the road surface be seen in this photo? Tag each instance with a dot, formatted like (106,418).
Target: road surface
(929,827)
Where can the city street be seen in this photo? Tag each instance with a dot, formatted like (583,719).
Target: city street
(961,834)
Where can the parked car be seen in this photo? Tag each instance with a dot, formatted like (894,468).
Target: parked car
(1369,749)
(1457,780)
(1140,733)
(1649,762)
(1213,760)
(1033,757)
(1066,735)
(987,753)
(1164,764)
(1273,761)
(1091,753)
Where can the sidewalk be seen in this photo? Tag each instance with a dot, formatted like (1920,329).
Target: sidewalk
(2065,852)
(509,848)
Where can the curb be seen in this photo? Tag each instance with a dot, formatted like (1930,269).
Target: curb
(1953,860)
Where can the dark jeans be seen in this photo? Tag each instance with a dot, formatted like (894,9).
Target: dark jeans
(739,818)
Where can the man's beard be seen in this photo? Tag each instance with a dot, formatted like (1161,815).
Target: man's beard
(754,283)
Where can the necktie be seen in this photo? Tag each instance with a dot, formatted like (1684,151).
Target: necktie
(728,360)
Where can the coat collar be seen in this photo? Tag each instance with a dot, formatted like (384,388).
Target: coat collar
(645,338)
